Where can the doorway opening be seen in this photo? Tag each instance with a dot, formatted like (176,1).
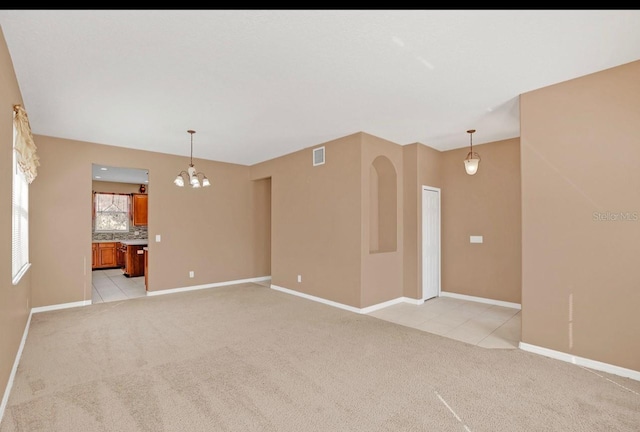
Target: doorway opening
(119,233)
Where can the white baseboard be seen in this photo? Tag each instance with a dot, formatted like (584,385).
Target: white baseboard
(317,299)
(480,300)
(60,306)
(581,361)
(365,310)
(14,369)
(205,286)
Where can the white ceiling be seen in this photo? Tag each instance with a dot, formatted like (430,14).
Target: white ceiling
(258,84)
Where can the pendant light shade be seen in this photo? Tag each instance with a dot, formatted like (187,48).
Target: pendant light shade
(472,161)
(196,179)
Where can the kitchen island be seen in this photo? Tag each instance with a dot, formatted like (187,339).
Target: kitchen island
(133,251)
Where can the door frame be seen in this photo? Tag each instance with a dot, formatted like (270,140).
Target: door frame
(424,189)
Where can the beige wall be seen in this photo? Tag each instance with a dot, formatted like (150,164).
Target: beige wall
(315,220)
(14,299)
(487,204)
(381,271)
(421,165)
(580,283)
(207,230)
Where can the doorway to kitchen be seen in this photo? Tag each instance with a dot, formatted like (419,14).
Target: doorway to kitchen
(119,232)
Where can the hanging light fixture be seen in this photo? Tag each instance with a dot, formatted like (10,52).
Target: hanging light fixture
(472,160)
(191,175)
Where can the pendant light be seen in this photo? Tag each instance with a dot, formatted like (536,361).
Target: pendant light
(472,160)
(191,175)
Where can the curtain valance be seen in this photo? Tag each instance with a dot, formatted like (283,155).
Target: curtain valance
(25,147)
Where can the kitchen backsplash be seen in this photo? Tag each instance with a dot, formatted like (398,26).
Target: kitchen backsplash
(131,235)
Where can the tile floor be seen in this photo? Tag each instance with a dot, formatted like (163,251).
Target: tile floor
(111,285)
(484,325)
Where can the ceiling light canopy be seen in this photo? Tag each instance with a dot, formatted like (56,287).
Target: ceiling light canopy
(472,160)
(194,178)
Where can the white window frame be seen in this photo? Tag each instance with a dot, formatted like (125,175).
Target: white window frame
(19,220)
(127,211)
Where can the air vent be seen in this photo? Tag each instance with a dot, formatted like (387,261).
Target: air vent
(318,156)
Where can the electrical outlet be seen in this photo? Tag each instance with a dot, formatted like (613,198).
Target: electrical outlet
(299,278)
(136,233)
(192,274)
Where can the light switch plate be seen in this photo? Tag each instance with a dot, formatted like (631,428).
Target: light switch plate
(157,238)
(475,239)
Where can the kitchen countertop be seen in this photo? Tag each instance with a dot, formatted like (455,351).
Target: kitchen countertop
(135,242)
(132,242)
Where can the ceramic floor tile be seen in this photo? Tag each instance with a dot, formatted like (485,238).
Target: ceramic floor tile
(469,335)
(435,327)
(507,332)
(113,272)
(484,323)
(134,292)
(114,295)
(103,282)
(496,342)
(95,296)
(501,311)
(411,320)
(123,283)
(452,319)
(481,324)
(97,274)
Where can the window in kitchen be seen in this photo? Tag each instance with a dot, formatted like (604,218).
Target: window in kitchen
(111,212)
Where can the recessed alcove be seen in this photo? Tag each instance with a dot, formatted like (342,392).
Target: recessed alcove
(383,203)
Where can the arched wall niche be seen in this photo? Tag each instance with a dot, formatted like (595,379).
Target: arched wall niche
(383,203)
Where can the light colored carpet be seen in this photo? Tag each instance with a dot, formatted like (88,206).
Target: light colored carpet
(248,358)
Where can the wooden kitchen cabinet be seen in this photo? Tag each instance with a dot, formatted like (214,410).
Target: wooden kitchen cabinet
(139,209)
(94,255)
(104,255)
(120,254)
(134,261)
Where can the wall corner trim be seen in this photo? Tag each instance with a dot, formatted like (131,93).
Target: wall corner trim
(14,369)
(581,361)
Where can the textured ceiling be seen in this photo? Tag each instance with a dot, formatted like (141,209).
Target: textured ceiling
(258,84)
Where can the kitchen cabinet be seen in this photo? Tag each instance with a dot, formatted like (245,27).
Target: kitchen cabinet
(139,207)
(103,255)
(134,261)
(120,254)
(94,255)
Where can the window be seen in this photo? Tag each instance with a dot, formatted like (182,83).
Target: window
(20,221)
(111,212)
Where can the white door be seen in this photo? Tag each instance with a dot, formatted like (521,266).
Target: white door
(430,242)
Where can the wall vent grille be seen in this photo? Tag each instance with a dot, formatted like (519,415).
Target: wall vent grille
(318,156)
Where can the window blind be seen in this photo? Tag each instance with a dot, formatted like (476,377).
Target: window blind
(20,222)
